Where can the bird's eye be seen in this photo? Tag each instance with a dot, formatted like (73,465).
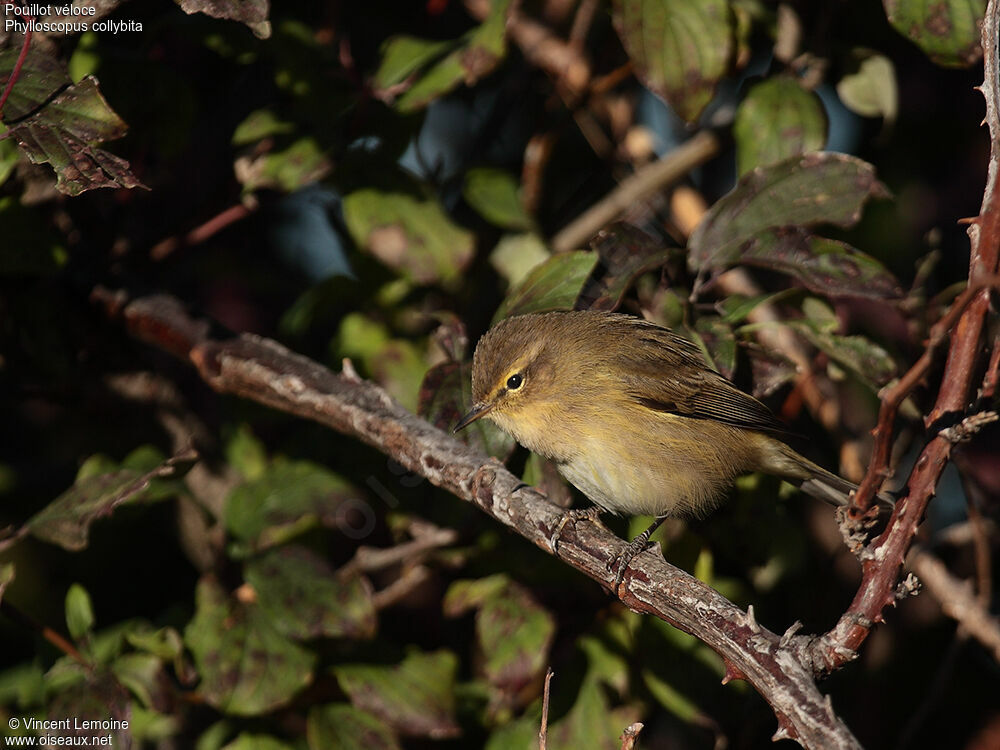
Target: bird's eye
(514,381)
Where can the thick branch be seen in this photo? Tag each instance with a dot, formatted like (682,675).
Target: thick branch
(264,371)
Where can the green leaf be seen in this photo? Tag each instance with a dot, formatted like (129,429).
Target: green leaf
(515,255)
(415,698)
(97,695)
(79,612)
(824,266)
(735,308)
(165,643)
(63,131)
(592,722)
(869,362)
(66,520)
(445,397)
(246,453)
(679,48)
(338,725)
(23,686)
(717,337)
(289,498)
(477,54)
(85,58)
(141,673)
(247,666)
(513,631)
(260,124)
(408,234)
(254,741)
(6,576)
(817,188)
(947,31)
(304,598)
(402,56)
(397,364)
(778,119)
(871,90)
(288,169)
(671,698)
(553,285)
(149,726)
(9,156)
(494,193)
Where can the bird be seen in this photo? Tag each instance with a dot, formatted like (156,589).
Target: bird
(632,416)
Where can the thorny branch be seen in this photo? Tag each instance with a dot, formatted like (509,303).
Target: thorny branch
(883,559)
(264,371)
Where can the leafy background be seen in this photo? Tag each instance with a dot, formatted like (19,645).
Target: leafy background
(379,181)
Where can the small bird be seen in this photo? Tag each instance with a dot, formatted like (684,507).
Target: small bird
(631,415)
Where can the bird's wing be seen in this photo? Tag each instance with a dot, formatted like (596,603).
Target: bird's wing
(667,373)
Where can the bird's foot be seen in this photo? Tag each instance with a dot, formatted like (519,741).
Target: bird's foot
(620,562)
(593,514)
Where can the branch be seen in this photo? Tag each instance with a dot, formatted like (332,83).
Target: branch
(264,371)
(957,599)
(650,178)
(883,560)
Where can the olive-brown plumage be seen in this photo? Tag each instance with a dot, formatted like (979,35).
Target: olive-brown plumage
(630,413)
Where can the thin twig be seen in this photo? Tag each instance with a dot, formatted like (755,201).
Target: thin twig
(204,231)
(631,735)
(375,558)
(16,71)
(543,730)
(957,599)
(893,396)
(52,636)
(582,22)
(645,181)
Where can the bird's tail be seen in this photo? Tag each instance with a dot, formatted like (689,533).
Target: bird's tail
(814,480)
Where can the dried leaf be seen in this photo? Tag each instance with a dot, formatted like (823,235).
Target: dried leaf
(251,12)
(59,123)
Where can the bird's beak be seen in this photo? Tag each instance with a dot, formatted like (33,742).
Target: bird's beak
(477,411)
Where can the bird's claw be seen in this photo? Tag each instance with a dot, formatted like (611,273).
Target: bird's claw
(592,513)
